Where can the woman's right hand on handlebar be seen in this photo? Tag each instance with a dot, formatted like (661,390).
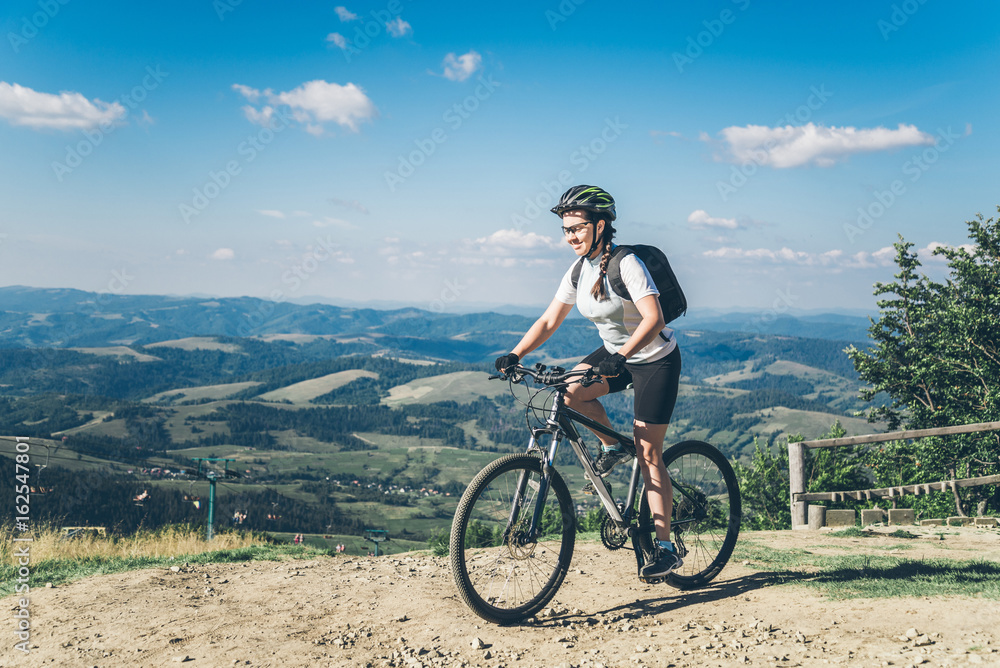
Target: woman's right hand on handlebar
(505,362)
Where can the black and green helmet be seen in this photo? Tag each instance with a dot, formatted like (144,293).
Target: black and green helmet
(590,198)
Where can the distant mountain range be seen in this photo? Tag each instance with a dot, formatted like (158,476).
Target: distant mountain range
(308,396)
(64,317)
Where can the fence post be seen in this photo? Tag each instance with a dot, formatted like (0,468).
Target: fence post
(797,484)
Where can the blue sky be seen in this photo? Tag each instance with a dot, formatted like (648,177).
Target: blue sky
(408,152)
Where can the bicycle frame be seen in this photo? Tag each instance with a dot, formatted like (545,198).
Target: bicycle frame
(560,423)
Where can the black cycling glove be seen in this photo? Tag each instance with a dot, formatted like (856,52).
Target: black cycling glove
(612,366)
(504,362)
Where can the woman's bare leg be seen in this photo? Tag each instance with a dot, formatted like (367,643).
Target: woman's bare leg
(659,492)
(584,400)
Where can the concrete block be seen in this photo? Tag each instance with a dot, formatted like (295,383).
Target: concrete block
(959,521)
(931,523)
(817,517)
(840,518)
(873,516)
(987,522)
(902,516)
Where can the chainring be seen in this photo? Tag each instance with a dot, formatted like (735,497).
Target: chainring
(612,535)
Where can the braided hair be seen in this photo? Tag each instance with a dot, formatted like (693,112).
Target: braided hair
(599,291)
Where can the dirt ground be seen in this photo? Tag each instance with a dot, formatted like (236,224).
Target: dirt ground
(403,610)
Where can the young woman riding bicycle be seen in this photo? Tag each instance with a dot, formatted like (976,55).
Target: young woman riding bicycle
(638,350)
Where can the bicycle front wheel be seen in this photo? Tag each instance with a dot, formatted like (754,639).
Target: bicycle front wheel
(706,517)
(504,574)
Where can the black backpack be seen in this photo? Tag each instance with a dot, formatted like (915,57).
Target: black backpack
(673,303)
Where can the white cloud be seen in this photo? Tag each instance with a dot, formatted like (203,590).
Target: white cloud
(312,104)
(398,27)
(792,146)
(350,204)
(322,101)
(927,253)
(333,222)
(251,94)
(223,254)
(258,116)
(273,213)
(700,219)
(337,39)
(45,111)
(460,68)
(345,14)
(834,259)
(516,240)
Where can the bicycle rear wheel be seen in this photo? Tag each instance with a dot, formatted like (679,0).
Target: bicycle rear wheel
(707,512)
(501,573)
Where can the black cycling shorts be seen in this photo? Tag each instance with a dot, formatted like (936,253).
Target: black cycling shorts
(655,384)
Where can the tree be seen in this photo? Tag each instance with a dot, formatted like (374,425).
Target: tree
(764,488)
(764,484)
(936,354)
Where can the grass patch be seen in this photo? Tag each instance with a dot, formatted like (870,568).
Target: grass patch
(871,576)
(903,533)
(60,561)
(855,532)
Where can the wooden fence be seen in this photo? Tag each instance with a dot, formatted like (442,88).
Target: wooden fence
(797,469)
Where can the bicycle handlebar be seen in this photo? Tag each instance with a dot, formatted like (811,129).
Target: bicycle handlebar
(554,376)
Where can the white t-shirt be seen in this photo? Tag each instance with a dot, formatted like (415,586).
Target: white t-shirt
(616,318)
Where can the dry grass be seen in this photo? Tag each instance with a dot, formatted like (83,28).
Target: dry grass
(49,544)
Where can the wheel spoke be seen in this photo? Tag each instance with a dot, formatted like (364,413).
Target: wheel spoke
(501,574)
(705,520)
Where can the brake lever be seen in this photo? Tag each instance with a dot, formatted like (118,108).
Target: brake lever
(513,377)
(587,382)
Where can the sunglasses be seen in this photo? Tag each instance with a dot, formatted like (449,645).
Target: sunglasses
(576,229)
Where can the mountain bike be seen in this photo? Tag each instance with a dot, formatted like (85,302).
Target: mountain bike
(515,527)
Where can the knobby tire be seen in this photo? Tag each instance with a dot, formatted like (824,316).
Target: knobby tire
(707,516)
(501,578)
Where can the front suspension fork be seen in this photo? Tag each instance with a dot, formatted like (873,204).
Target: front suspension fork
(534,529)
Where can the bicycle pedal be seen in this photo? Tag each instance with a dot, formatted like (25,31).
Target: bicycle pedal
(591,490)
(653,580)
